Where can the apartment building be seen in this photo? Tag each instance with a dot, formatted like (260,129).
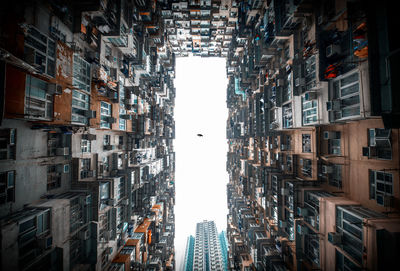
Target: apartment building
(205,251)
(87,129)
(309,140)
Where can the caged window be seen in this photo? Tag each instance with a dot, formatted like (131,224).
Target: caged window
(40,51)
(38,104)
(380,185)
(105,114)
(7,186)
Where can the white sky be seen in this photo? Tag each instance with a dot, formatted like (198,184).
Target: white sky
(201,177)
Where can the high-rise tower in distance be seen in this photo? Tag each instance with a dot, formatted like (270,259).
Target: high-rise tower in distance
(204,252)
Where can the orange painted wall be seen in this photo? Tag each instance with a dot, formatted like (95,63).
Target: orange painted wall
(14,92)
(62,103)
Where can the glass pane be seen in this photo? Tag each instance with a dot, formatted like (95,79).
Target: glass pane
(349,79)
(349,90)
(40,224)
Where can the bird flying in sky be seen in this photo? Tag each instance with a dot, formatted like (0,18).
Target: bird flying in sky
(199,135)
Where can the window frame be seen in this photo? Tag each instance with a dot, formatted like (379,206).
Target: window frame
(43,40)
(86,146)
(374,193)
(105,113)
(337,88)
(9,190)
(30,98)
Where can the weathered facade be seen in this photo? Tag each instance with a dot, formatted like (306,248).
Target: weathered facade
(313,159)
(87,127)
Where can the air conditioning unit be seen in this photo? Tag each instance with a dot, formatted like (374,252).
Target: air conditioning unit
(330,135)
(279,82)
(302,230)
(62,168)
(101,168)
(86,200)
(332,50)
(54,89)
(126,117)
(282,224)
(310,96)
(284,147)
(370,151)
(327,169)
(284,191)
(45,243)
(125,201)
(91,114)
(385,200)
(109,250)
(299,82)
(302,211)
(333,105)
(107,235)
(111,120)
(89,137)
(109,147)
(312,221)
(335,238)
(84,235)
(91,173)
(129,101)
(111,202)
(62,151)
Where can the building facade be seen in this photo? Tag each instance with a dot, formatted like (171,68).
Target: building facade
(313,155)
(205,252)
(87,126)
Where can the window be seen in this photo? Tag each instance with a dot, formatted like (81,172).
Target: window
(343,263)
(122,122)
(7,144)
(306,142)
(53,177)
(379,140)
(80,105)
(349,224)
(85,168)
(310,71)
(7,186)
(287,89)
(43,222)
(334,144)
(81,74)
(289,163)
(306,167)
(347,90)
(108,52)
(380,185)
(106,163)
(105,114)
(106,140)
(335,178)
(287,117)
(311,248)
(85,145)
(40,51)
(38,104)
(309,111)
